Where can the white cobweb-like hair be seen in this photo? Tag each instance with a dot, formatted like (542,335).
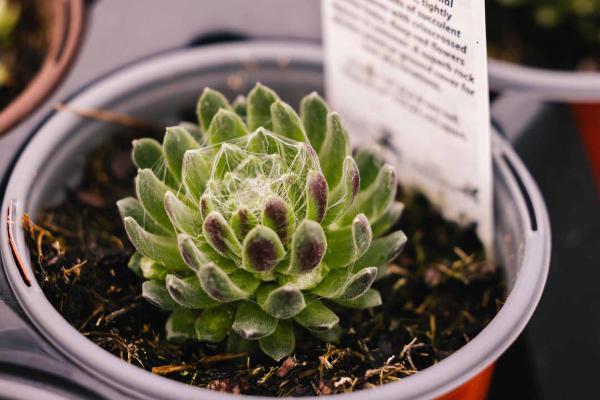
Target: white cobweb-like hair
(248,170)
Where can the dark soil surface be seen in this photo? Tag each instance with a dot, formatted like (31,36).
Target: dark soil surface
(439,294)
(514,35)
(24,51)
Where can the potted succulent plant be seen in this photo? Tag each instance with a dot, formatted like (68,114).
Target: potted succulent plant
(251,225)
(261,240)
(38,41)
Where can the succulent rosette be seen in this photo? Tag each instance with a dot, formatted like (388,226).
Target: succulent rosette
(251,223)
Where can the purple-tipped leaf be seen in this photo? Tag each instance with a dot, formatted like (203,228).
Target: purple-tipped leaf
(317,194)
(308,247)
(220,236)
(156,294)
(242,222)
(376,199)
(279,216)
(262,250)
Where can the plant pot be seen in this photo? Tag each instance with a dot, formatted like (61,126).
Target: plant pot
(581,90)
(64,20)
(157,89)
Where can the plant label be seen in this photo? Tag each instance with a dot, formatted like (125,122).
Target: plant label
(411,75)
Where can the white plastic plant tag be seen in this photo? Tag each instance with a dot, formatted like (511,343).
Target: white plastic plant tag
(412,75)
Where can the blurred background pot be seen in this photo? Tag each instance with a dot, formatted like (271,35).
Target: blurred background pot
(549,51)
(63,22)
(158,89)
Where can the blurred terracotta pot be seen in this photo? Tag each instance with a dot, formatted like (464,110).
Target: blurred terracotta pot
(65,21)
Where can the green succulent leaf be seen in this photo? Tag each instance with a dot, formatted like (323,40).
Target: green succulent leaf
(332,335)
(226,288)
(369,163)
(209,103)
(195,172)
(181,325)
(280,302)
(134,264)
(341,284)
(183,218)
(252,323)
(156,293)
(348,243)
(262,250)
(188,293)
(313,111)
(147,153)
(371,298)
(334,150)
(214,324)
(151,194)
(237,344)
(259,107)
(388,219)
(152,270)
(175,143)
(226,125)
(194,130)
(382,250)
(131,207)
(317,317)
(286,122)
(376,199)
(305,281)
(308,247)
(162,249)
(342,197)
(280,343)
(240,106)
